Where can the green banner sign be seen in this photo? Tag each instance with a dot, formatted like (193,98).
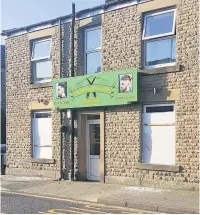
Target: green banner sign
(95,90)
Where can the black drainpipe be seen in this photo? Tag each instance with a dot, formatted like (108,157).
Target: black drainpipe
(72,75)
(61,121)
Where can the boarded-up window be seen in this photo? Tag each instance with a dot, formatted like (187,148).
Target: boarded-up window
(42,134)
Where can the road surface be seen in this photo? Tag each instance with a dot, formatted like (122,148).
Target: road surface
(15,203)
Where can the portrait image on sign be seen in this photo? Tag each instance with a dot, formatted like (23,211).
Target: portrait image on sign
(125,83)
(61,90)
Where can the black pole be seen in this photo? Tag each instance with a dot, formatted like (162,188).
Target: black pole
(60,68)
(72,75)
(72,39)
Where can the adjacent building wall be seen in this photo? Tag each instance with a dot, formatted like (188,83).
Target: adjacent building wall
(3,96)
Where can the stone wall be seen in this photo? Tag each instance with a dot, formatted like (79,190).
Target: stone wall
(19,96)
(122,49)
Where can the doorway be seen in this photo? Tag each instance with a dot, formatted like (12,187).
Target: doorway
(93,149)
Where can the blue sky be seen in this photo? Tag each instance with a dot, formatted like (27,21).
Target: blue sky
(18,13)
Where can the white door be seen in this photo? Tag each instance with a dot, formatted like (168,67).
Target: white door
(158,136)
(93,150)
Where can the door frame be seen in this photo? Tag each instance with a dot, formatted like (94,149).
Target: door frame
(90,122)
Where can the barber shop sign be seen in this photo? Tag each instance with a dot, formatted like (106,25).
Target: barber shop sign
(98,89)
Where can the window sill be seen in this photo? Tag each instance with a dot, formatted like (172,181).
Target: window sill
(42,160)
(40,85)
(157,167)
(167,69)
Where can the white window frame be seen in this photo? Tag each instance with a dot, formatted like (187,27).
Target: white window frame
(86,51)
(34,145)
(35,60)
(145,105)
(159,35)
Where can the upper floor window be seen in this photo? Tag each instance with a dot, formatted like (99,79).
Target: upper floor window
(41,61)
(93,50)
(159,38)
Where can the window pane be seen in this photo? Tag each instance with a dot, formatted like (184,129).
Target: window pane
(41,49)
(93,62)
(43,115)
(156,109)
(160,51)
(174,49)
(93,39)
(42,69)
(159,24)
(90,117)
(94,130)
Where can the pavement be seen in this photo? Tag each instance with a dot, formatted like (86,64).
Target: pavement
(141,198)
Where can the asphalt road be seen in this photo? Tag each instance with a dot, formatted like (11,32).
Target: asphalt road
(13,203)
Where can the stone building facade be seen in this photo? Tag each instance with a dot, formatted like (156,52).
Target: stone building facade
(122,47)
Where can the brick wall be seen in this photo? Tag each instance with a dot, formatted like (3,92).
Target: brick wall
(122,49)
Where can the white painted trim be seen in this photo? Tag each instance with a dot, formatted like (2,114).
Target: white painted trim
(156,14)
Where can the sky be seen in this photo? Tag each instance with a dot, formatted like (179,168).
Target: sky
(19,13)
